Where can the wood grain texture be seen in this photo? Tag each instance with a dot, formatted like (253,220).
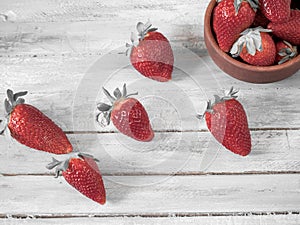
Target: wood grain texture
(220,220)
(34,195)
(90,26)
(91,10)
(68,89)
(64,51)
(188,153)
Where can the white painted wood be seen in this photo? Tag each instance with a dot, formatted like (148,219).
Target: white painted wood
(178,194)
(90,26)
(219,220)
(91,10)
(54,47)
(188,152)
(54,87)
(79,38)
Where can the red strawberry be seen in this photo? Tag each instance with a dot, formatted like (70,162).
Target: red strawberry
(255,47)
(230,18)
(31,127)
(276,11)
(226,119)
(82,172)
(289,30)
(295,12)
(153,56)
(127,114)
(285,52)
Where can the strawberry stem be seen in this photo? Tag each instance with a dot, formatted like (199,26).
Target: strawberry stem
(103,107)
(252,3)
(8,106)
(250,38)
(130,46)
(199,116)
(53,164)
(108,95)
(287,53)
(124,90)
(143,29)
(209,108)
(13,99)
(103,118)
(10,102)
(58,165)
(63,165)
(117,93)
(19,94)
(10,95)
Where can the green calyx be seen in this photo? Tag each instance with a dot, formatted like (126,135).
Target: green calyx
(61,166)
(130,46)
(253,3)
(10,103)
(103,118)
(287,53)
(142,30)
(237,4)
(251,39)
(13,99)
(209,108)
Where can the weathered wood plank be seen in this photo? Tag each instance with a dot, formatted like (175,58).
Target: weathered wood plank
(69,88)
(92,27)
(52,49)
(169,153)
(219,220)
(78,38)
(178,194)
(91,10)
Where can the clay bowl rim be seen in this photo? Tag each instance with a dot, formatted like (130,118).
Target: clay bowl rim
(239,64)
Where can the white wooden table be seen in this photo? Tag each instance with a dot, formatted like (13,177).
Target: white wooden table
(62,52)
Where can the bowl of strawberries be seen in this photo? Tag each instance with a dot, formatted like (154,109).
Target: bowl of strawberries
(255,41)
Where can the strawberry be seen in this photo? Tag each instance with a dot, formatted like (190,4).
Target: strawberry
(31,127)
(81,172)
(276,11)
(153,56)
(127,114)
(295,12)
(289,30)
(226,119)
(255,47)
(285,52)
(230,18)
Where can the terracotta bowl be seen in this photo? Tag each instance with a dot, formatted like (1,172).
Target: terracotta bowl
(240,70)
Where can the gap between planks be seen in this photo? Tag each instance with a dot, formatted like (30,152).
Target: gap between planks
(183,131)
(179,131)
(270,153)
(148,215)
(168,174)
